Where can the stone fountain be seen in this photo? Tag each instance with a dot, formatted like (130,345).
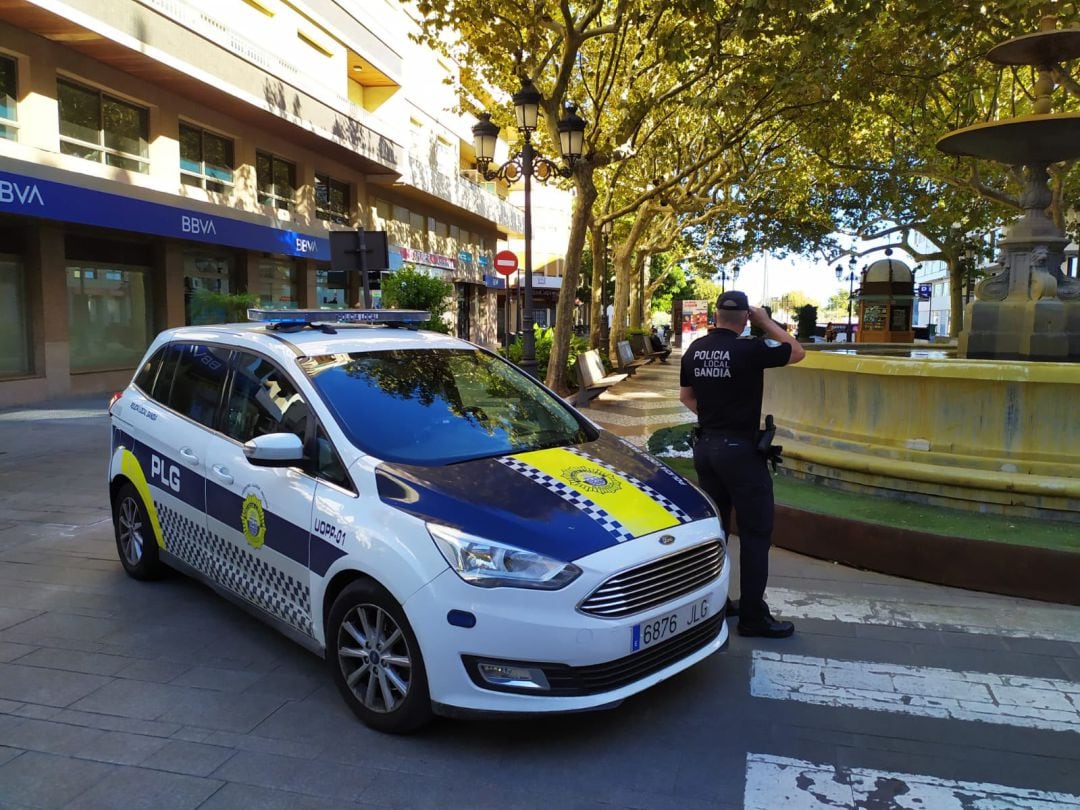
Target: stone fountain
(1029,310)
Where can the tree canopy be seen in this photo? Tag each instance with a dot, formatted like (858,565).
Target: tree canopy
(723,128)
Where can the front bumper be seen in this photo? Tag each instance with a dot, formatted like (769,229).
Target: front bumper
(588,662)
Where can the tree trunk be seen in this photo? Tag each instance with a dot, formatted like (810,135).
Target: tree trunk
(623,265)
(956,297)
(556,378)
(596,313)
(637,306)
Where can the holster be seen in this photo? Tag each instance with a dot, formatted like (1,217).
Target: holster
(763,443)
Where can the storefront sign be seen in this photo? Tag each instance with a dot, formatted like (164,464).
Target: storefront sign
(548,282)
(465,256)
(34,197)
(430,259)
(497,282)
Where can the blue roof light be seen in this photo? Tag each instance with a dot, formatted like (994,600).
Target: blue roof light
(332,316)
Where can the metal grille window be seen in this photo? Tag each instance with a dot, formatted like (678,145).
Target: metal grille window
(206,159)
(9,120)
(277,181)
(331,199)
(98,127)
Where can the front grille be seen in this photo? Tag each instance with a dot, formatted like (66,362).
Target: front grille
(567,681)
(656,582)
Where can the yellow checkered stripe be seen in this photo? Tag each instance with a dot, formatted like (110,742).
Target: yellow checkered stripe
(609,498)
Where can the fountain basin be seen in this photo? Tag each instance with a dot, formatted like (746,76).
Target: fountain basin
(985,435)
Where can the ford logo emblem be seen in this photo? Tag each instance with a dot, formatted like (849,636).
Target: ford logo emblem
(667,539)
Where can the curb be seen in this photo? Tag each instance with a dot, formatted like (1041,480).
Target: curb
(1045,574)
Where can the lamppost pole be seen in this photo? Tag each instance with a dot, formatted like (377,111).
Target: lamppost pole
(850,278)
(724,276)
(524,166)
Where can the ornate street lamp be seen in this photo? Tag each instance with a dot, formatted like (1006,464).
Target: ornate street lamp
(723,274)
(850,279)
(525,165)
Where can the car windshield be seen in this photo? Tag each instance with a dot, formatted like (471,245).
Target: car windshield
(439,406)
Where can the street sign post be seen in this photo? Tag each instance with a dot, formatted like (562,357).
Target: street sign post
(506,262)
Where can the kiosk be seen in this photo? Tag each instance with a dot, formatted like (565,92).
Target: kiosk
(886,300)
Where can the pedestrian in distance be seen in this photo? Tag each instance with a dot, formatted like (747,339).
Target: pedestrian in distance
(722,381)
(830,333)
(656,344)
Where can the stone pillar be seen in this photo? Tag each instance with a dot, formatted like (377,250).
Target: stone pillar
(46,262)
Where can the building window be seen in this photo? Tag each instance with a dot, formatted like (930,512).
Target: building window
(277,181)
(277,284)
(109,315)
(9,123)
(98,127)
(15,358)
(331,199)
(206,159)
(208,281)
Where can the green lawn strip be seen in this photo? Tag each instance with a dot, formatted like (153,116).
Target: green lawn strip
(914,516)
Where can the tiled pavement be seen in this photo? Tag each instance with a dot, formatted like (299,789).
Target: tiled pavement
(642,403)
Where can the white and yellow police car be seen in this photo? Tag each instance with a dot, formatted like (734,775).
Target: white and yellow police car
(448,533)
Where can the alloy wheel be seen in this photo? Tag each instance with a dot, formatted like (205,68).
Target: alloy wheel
(374,658)
(131,531)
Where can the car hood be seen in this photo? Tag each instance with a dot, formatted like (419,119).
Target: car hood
(565,502)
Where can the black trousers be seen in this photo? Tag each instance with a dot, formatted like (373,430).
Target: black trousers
(735,475)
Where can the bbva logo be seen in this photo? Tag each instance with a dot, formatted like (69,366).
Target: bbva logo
(306,245)
(197,225)
(17,192)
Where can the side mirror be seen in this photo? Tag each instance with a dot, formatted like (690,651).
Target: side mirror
(275,450)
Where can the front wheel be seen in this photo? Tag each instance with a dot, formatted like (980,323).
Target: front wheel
(376,660)
(135,542)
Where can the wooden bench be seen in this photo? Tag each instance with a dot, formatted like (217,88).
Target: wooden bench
(628,362)
(642,348)
(593,380)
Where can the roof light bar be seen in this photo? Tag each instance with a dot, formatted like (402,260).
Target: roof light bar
(312,316)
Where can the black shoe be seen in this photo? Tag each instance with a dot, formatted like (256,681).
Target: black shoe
(766,628)
(731,607)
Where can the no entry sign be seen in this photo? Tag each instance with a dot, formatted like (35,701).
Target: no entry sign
(506,262)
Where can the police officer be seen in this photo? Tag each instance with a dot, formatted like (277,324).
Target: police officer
(721,380)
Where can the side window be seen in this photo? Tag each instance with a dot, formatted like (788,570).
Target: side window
(163,384)
(199,382)
(328,465)
(148,373)
(263,400)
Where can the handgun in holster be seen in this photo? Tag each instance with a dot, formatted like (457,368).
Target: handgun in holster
(765,446)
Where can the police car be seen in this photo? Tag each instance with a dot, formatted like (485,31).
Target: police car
(450,535)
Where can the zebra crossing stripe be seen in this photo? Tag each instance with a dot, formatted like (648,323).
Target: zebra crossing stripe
(1042,703)
(793,784)
(994,616)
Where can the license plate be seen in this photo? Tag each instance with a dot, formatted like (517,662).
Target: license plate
(669,624)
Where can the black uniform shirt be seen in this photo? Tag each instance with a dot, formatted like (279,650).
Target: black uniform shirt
(727,375)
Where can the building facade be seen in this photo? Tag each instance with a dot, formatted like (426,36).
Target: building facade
(156,155)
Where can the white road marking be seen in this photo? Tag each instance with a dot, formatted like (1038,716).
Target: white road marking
(989,615)
(1012,700)
(773,783)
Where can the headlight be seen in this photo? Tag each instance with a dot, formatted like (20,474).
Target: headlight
(488,564)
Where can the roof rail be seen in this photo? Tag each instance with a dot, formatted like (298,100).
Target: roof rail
(293,320)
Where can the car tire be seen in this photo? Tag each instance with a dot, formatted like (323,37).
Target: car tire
(135,541)
(375,659)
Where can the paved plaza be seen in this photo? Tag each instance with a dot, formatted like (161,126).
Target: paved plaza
(121,694)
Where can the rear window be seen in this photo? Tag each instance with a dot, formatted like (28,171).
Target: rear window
(438,406)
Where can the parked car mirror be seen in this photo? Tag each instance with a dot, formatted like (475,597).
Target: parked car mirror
(275,449)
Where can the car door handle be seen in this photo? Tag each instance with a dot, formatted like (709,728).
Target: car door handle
(222,473)
(188,455)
